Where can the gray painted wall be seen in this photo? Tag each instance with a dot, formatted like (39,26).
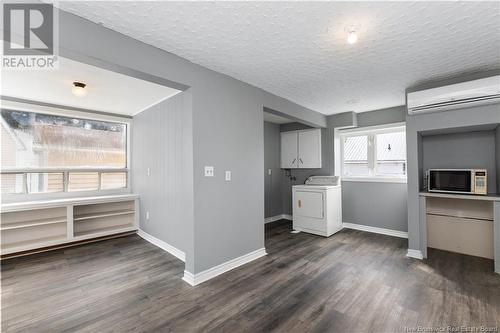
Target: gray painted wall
(162,142)
(272,182)
(474,150)
(381,205)
(227,133)
(496,239)
(497,154)
(342,120)
(380,117)
(477,116)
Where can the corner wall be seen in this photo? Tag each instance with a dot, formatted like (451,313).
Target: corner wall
(272,182)
(162,143)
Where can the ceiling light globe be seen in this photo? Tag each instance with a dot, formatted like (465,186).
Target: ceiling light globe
(79,89)
(352,37)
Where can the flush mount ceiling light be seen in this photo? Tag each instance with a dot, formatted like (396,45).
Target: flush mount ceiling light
(79,89)
(352,36)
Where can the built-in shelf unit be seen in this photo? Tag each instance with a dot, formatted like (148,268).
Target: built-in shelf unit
(39,224)
(468,224)
(463,223)
(460,225)
(471,147)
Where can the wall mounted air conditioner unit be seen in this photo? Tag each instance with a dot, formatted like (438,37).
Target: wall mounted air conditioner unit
(455,96)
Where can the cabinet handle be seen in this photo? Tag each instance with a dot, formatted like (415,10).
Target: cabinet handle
(301,161)
(293,161)
(300,203)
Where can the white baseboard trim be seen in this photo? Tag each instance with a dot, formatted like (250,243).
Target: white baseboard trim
(277,218)
(189,278)
(273,218)
(163,245)
(417,254)
(196,279)
(383,231)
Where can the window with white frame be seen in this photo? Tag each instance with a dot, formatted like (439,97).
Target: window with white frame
(377,152)
(46,153)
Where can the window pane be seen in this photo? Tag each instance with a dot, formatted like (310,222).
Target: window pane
(113,180)
(45,182)
(12,183)
(39,140)
(356,156)
(83,181)
(391,153)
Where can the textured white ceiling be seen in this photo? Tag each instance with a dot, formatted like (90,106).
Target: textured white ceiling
(298,50)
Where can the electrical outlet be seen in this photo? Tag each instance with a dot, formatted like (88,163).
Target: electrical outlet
(209,171)
(269,171)
(228,176)
(148,172)
(147,215)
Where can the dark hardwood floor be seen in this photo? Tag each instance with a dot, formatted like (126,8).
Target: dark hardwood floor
(351,282)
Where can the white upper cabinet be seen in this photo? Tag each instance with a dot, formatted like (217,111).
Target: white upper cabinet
(310,149)
(301,149)
(289,150)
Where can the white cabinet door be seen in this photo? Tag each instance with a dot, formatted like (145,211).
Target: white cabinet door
(289,150)
(308,204)
(310,149)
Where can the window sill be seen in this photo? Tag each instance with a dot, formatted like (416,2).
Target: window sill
(401,180)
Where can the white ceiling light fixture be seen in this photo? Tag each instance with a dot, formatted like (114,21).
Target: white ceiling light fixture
(79,89)
(352,36)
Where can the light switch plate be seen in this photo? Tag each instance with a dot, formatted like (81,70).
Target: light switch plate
(269,171)
(209,171)
(228,176)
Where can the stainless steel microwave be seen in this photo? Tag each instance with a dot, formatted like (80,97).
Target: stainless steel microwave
(466,181)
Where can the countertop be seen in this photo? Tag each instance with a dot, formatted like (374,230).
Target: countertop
(489,197)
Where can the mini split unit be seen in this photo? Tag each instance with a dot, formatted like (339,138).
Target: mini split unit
(455,96)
